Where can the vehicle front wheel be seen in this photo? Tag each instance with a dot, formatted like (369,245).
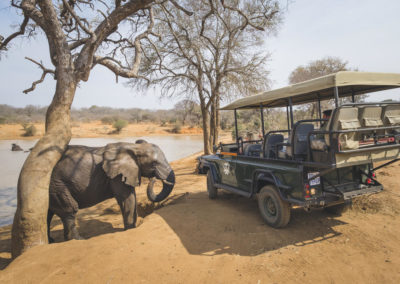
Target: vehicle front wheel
(211,189)
(273,209)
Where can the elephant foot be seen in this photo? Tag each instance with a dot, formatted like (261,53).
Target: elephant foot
(131,226)
(74,237)
(79,238)
(51,240)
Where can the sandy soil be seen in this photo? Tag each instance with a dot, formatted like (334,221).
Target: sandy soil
(191,239)
(96,129)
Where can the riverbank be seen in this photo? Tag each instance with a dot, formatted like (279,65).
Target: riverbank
(96,129)
(191,239)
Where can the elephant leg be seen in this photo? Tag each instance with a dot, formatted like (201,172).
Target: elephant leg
(50,215)
(70,230)
(128,210)
(126,198)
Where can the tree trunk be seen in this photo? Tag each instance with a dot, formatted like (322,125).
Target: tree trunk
(206,133)
(217,121)
(30,220)
(212,123)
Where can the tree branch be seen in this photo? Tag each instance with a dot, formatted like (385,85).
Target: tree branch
(45,72)
(189,13)
(78,19)
(3,44)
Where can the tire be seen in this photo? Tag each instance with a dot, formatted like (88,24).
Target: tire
(211,189)
(274,211)
(337,209)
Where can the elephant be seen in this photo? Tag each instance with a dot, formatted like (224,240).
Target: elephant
(85,176)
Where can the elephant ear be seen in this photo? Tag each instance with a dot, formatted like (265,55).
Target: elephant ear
(119,160)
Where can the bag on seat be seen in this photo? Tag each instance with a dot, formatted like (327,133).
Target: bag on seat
(346,118)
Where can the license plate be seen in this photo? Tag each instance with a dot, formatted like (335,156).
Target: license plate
(315,181)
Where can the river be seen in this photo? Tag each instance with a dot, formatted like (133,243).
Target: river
(174,147)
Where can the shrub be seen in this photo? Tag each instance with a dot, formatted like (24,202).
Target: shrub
(108,120)
(30,130)
(3,120)
(119,124)
(240,132)
(177,128)
(163,123)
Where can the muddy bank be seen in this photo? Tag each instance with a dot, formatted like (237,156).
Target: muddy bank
(191,239)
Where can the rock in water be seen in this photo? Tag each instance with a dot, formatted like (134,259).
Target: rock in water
(16,147)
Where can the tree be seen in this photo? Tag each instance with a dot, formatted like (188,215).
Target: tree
(215,54)
(81,34)
(318,68)
(185,109)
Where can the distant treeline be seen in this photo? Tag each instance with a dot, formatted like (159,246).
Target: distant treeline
(182,113)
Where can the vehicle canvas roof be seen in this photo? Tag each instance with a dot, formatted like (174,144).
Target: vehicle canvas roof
(322,87)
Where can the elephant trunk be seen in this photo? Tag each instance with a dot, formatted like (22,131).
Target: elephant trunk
(168,185)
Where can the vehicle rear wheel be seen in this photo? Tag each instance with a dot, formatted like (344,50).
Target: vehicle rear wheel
(337,209)
(273,209)
(211,189)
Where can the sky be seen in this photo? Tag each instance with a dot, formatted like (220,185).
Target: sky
(366,33)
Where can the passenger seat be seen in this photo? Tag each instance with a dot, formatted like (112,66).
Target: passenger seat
(346,118)
(391,116)
(370,117)
(253,150)
(270,143)
(300,144)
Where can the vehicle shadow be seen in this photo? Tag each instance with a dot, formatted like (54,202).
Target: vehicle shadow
(232,224)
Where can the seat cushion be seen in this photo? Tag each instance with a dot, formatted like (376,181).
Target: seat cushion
(319,144)
(391,115)
(370,116)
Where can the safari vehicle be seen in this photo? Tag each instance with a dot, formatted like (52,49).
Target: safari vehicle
(315,162)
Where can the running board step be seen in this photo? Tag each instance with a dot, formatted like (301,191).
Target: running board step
(367,190)
(233,189)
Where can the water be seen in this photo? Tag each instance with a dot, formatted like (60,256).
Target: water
(174,148)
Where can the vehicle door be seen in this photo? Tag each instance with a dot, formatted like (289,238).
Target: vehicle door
(244,172)
(227,169)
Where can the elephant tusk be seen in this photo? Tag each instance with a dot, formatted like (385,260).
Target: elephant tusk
(168,182)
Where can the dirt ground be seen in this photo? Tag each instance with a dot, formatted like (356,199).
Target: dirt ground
(97,129)
(191,239)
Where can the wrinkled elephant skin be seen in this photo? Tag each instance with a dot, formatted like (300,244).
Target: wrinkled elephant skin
(85,176)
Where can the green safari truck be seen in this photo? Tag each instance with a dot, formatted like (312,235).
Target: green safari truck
(323,162)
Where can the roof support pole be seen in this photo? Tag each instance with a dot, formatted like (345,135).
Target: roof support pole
(291,112)
(287,117)
(236,129)
(336,93)
(319,109)
(352,95)
(262,120)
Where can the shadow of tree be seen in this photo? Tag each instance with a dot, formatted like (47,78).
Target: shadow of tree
(233,225)
(87,229)
(5,247)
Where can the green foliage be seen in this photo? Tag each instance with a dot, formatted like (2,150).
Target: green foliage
(119,124)
(163,123)
(108,120)
(240,131)
(107,115)
(30,130)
